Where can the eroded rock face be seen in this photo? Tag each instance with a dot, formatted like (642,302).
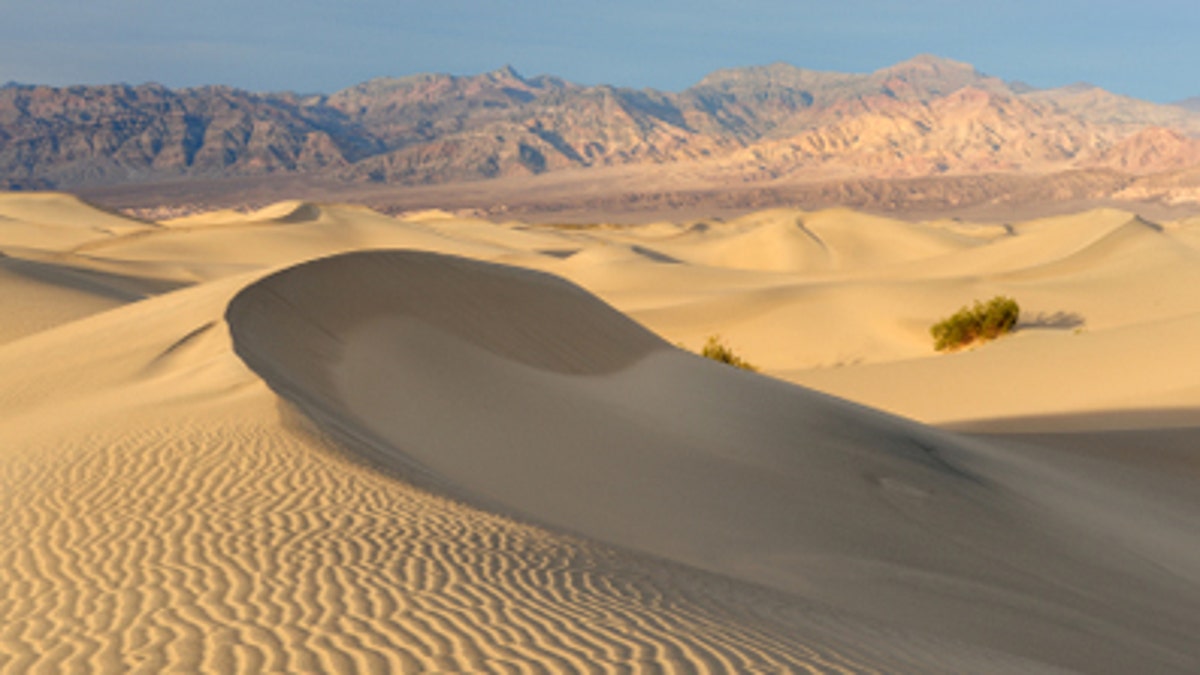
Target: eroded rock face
(118,133)
(924,117)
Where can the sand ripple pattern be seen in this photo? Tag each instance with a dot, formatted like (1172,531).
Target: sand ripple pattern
(206,546)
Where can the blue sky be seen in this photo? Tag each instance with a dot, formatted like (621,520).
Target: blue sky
(1147,49)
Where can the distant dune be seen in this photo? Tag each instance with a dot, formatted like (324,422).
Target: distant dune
(314,437)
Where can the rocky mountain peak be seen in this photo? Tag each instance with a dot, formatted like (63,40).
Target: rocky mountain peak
(927,76)
(929,63)
(506,73)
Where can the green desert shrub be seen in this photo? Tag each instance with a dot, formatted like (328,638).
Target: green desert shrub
(717,350)
(983,321)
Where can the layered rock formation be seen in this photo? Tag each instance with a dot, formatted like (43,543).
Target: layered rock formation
(778,123)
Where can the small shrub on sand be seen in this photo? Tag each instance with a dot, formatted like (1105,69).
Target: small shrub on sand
(979,323)
(717,350)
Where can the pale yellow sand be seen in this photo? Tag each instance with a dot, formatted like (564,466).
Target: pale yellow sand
(220,450)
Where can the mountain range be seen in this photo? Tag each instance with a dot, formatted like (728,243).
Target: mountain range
(762,126)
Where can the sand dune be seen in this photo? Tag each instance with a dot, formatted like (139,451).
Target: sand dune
(315,438)
(35,296)
(622,439)
(1039,247)
(830,241)
(1142,367)
(60,213)
(1109,323)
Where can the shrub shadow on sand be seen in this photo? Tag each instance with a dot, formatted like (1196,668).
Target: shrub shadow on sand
(1052,320)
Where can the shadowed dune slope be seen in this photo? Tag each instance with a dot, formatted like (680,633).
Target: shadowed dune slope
(517,314)
(34,296)
(518,391)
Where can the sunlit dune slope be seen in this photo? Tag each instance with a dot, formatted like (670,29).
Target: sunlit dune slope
(1110,308)
(42,284)
(62,219)
(834,241)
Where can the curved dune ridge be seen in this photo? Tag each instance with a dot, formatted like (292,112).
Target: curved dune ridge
(520,315)
(473,375)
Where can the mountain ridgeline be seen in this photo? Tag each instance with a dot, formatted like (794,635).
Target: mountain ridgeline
(925,117)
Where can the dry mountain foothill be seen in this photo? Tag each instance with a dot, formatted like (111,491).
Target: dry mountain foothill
(900,137)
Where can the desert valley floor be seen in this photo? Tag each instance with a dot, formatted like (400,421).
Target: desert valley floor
(317,438)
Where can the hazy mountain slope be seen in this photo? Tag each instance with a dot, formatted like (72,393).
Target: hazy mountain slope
(781,100)
(968,131)
(924,117)
(118,133)
(1093,104)
(1191,103)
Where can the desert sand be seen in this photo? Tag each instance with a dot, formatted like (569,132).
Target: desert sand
(317,438)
